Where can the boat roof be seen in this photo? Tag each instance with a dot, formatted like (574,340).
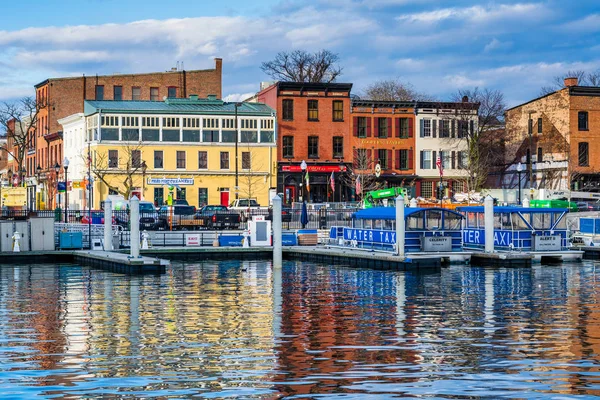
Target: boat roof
(511,209)
(390,212)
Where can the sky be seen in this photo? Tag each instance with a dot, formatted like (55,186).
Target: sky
(437,46)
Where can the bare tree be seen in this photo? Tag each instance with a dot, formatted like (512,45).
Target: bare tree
(363,170)
(479,118)
(393,90)
(19,122)
(584,78)
(119,175)
(302,66)
(251,177)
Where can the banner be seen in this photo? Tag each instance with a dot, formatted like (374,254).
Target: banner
(170,181)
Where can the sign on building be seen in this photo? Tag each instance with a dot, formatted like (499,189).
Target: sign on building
(170,181)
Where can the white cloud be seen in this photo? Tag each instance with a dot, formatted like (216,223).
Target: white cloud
(410,64)
(477,14)
(461,81)
(590,23)
(238,96)
(496,44)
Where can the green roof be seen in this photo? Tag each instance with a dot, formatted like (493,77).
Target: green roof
(192,105)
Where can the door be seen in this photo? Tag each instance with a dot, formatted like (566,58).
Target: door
(159,198)
(289,194)
(225,198)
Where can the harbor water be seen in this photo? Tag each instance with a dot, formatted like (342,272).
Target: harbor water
(238,329)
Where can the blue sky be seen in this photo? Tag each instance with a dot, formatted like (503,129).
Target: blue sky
(438,46)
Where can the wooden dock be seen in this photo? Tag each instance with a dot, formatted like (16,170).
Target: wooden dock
(119,262)
(501,259)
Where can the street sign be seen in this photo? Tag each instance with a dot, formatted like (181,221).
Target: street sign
(62,186)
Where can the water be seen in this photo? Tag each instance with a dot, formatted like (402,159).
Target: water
(209,330)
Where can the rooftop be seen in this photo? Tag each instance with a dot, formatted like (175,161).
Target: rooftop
(191,105)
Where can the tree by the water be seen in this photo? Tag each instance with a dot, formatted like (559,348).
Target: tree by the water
(302,66)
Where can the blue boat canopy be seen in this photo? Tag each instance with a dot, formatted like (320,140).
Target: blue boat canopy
(509,209)
(389,213)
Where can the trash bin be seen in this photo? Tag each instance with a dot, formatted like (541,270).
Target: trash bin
(116,241)
(58,214)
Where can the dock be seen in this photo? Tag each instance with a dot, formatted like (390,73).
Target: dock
(501,259)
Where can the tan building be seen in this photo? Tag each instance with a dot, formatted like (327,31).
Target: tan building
(556,138)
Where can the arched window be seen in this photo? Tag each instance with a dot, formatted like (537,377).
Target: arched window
(582,118)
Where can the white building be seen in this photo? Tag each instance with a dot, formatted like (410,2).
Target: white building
(442,132)
(74,150)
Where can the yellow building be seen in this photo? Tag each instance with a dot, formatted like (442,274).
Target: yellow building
(185,146)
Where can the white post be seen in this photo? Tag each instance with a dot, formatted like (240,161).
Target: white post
(488,217)
(277,232)
(134,226)
(400,228)
(526,203)
(107,225)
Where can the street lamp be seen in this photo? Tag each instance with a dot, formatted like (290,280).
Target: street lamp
(38,172)
(237,138)
(303,167)
(57,171)
(66,167)
(519,170)
(144,168)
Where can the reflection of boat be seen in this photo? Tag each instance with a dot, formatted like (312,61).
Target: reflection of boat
(541,231)
(427,230)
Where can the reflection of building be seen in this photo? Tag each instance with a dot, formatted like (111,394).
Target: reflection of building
(555,137)
(184,145)
(313,125)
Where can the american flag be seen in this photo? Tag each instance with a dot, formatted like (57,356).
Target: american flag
(332,182)
(358,187)
(439,165)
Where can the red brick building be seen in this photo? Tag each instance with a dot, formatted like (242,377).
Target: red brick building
(65,96)
(383,132)
(313,125)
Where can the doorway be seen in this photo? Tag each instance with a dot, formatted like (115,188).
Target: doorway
(289,195)
(225,198)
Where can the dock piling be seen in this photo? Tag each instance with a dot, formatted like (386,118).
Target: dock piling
(277,249)
(108,225)
(488,211)
(134,226)
(400,228)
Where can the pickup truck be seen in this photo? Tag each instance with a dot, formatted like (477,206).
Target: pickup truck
(247,208)
(177,217)
(217,217)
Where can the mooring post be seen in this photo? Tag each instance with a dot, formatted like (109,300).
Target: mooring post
(107,225)
(134,226)
(488,217)
(400,228)
(277,250)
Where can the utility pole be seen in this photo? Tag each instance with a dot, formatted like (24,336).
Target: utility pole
(237,138)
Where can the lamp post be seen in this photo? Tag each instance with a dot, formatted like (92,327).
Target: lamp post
(237,138)
(66,167)
(144,168)
(303,167)
(38,172)
(519,170)
(57,172)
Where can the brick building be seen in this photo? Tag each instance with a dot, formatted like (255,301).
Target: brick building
(313,125)
(383,132)
(66,96)
(555,138)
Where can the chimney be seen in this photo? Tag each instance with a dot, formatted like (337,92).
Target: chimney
(465,99)
(194,97)
(571,81)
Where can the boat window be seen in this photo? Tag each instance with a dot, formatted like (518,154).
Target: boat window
(541,220)
(414,222)
(562,224)
(378,224)
(367,223)
(481,220)
(497,221)
(434,219)
(506,221)
(472,220)
(452,221)
(518,223)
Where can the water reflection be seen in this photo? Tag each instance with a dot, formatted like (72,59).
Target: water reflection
(239,329)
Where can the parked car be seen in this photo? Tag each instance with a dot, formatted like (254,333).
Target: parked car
(176,217)
(97,218)
(588,206)
(247,208)
(180,202)
(286,214)
(217,217)
(148,216)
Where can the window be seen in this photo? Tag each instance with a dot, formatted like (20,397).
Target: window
(181,193)
(362,127)
(248,124)
(171,92)
(288,147)
(382,156)
(181,159)
(158,159)
(313,147)
(530,126)
(383,128)
(426,159)
(117,92)
(582,118)
(136,93)
(154,94)
(338,110)
(403,128)
(169,122)
(540,130)
(249,136)
(403,159)
(288,110)
(426,128)
(445,157)
(224,160)
(444,128)
(313,110)
(584,154)
(136,158)
(202,160)
(246,160)
(539,155)
(338,147)
(427,189)
(99,92)
(462,159)
(463,127)
(202,197)
(159,198)
(113,158)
